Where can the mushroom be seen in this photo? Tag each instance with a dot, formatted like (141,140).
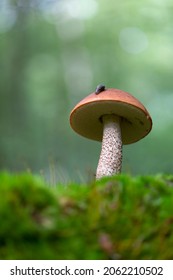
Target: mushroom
(114,117)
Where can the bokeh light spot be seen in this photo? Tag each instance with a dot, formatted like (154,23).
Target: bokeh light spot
(133,40)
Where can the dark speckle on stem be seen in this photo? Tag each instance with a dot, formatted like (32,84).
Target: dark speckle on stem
(99,89)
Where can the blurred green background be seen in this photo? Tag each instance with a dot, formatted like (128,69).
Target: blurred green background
(55,52)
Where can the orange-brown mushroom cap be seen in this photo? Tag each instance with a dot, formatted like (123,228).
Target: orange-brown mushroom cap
(135,121)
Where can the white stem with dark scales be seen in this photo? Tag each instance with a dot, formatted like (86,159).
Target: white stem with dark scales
(111,154)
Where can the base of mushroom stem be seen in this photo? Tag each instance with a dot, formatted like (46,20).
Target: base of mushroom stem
(99,176)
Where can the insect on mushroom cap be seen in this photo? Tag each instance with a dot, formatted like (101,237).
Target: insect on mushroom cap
(99,89)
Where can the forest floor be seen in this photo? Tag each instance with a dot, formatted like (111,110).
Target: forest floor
(121,217)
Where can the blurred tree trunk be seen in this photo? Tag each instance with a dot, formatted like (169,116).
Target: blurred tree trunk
(16,96)
(13,98)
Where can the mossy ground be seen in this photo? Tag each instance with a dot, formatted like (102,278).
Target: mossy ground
(122,217)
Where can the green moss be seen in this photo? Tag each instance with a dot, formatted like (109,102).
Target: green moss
(115,218)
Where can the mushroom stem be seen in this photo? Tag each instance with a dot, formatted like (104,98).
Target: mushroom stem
(111,154)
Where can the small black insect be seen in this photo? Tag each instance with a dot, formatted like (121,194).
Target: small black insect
(99,89)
